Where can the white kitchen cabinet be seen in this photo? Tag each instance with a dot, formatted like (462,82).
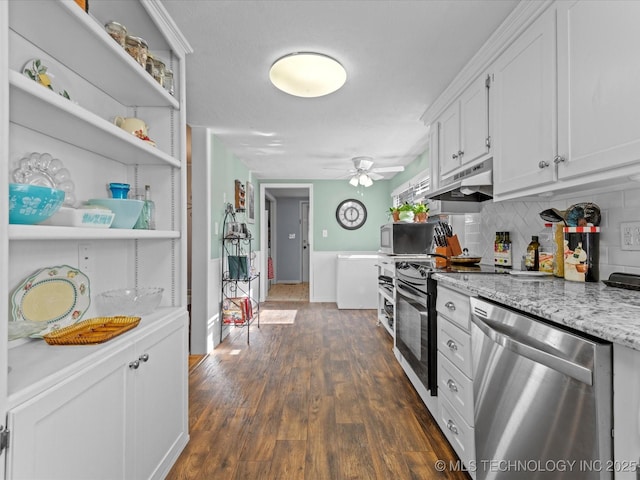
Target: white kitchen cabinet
(122,415)
(465,128)
(626,412)
(598,86)
(455,373)
(525,132)
(103,82)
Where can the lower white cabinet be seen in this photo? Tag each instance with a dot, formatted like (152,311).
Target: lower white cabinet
(123,416)
(455,374)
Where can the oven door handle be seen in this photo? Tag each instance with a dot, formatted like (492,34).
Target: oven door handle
(410,292)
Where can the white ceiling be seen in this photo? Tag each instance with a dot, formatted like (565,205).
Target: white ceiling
(399,56)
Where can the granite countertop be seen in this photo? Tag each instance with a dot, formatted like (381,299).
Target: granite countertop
(609,313)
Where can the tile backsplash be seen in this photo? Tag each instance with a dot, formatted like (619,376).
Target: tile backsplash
(521,218)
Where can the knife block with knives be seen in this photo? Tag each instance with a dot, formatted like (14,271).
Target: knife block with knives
(446,244)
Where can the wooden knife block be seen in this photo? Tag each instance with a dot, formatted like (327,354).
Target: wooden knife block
(443,262)
(454,244)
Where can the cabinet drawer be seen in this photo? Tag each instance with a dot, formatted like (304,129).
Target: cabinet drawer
(455,345)
(455,387)
(459,434)
(454,306)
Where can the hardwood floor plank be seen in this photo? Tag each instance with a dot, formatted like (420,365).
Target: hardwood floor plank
(321,399)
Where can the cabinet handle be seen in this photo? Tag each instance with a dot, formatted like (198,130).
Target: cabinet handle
(450,305)
(144,357)
(558,159)
(543,164)
(454,156)
(452,426)
(460,153)
(134,365)
(452,385)
(452,345)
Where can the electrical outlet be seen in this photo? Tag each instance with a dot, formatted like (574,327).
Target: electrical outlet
(630,236)
(85,257)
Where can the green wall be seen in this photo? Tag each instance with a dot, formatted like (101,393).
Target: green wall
(327,194)
(419,165)
(225,169)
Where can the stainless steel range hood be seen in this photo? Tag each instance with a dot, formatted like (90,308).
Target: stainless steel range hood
(463,192)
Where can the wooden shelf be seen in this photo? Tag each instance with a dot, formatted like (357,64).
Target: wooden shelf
(76,125)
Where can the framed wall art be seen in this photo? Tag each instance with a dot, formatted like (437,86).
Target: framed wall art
(251,208)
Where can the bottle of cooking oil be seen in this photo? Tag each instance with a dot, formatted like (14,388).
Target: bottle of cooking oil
(532,259)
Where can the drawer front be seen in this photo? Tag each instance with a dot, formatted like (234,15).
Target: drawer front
(454,306)
(455,345)
(459,434)
(455,387)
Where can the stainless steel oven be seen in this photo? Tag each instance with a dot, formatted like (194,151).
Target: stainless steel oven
(416,320)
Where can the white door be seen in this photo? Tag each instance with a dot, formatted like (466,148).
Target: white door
(78,429)
(450,139)
(598,86)
(304,235)
(474,120)
(525,109)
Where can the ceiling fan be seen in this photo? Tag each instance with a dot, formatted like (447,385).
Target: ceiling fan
(364,174)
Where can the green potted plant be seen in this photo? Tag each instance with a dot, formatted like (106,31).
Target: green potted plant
(420,212)
(405,212)
(394,213)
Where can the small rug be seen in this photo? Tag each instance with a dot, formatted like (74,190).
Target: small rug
(277,316)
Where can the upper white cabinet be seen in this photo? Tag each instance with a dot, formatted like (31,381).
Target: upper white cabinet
(598,86)
(568,100)
(525,109)
(465,128)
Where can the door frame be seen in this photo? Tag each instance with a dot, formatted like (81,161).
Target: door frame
(301,207)
(263,236)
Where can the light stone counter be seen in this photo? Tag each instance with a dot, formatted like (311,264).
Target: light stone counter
(605,312)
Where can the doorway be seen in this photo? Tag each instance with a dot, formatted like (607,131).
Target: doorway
(286,235)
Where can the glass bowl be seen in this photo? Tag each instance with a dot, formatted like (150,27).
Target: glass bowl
(129,301)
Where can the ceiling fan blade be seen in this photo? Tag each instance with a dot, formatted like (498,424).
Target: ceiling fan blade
(398,168)
(374,176)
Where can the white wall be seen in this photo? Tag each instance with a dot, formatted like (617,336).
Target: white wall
(522,219)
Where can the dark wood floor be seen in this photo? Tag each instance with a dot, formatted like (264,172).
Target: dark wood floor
(323,398)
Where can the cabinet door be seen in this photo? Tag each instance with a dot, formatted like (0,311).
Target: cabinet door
(161,402)
(450,139)
(474,121)
(598,85)
(77,430)
(525,109)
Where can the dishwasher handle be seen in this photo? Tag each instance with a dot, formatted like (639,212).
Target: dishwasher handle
(492,330)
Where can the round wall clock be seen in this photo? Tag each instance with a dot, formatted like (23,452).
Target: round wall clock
(351,214)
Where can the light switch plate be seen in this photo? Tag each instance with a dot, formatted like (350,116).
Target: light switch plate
(630,236)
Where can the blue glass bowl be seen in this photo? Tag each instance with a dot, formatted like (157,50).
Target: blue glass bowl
(127,211)
(31,204)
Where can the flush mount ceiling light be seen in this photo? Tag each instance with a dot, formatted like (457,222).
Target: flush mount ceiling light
(307,74)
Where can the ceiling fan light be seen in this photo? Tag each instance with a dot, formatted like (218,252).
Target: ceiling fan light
(354,181)
(365,180)
(307,74)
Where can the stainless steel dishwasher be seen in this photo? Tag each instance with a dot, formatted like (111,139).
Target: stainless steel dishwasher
(543,398)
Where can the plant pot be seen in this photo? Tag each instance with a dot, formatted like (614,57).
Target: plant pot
(396,216)
(421,217)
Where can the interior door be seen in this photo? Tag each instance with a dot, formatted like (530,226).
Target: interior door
(304,235)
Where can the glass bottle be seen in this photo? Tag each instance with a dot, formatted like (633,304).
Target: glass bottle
(532,259)
(150,207)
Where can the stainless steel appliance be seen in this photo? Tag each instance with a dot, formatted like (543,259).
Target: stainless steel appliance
(416,319)
(542,398)
(406,238)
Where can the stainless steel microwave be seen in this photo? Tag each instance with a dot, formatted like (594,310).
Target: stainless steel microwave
(406,238)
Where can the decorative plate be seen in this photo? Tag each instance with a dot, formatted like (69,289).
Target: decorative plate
(58,296)
(38,72)
(44,170)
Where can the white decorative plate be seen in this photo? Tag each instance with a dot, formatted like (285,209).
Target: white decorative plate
(58,296)
(39,72)
(44,170)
